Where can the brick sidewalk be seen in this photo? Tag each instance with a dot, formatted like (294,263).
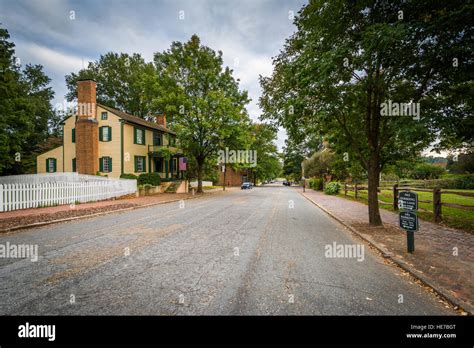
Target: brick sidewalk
(26,217)
(433,260)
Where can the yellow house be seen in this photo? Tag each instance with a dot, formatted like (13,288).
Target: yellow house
(106,141)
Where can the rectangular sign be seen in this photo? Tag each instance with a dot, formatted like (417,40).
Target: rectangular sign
(407,200)
(408,221)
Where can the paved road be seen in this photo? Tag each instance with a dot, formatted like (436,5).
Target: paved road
(259,251)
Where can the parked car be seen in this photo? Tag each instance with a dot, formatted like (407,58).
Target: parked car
(246,186)
(287,183)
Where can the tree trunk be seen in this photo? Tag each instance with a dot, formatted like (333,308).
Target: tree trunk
(373,183)
(200,167)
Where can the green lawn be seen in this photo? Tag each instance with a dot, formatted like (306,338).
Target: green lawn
(453,217)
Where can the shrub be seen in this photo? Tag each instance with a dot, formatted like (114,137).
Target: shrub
(332,188)
(316,183)
(153,179)
(128,176)
(426,171)
(465,182)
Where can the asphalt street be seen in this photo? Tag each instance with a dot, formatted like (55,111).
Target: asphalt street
(259,251)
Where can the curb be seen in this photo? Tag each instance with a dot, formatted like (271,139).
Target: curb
(45,223)
(388,255)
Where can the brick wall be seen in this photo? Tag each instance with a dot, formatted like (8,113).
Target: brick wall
(232,177)
(87,131)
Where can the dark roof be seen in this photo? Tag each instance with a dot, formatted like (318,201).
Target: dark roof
(136,120)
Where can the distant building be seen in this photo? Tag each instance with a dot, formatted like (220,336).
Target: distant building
(233,177)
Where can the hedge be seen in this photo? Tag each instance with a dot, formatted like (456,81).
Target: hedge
(128,176)
(153,179)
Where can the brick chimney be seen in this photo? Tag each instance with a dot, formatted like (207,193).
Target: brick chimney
(161,120)
(87,128)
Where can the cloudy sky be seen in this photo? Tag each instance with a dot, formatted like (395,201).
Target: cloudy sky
(64,35)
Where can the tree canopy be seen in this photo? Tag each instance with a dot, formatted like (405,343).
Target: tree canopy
(201,99)
(26,115)
(348,58)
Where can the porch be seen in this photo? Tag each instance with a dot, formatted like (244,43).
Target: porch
(164,160)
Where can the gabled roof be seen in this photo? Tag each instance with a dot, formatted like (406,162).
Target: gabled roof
(136,120)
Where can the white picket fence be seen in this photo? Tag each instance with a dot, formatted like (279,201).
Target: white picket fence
(34,195)
(50,177)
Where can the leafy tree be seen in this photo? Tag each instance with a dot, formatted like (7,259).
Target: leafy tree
(426,171)
(123,81)
(201,99)
(348,58)
(463,164)
(25,110)
(296,149)
(319,163)
(268,164)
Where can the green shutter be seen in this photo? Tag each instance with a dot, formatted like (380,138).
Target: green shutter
(47,165)
(73,164)
(100,134)
(54,165)
(74,135)
(101,164)
(110,164)
(110,133)
(144,164)
(134,135)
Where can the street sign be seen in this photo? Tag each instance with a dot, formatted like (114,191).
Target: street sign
(408,200)
(408,221)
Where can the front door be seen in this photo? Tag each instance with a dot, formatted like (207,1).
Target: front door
(158,164)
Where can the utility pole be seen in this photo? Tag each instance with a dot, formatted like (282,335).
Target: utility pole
(302,176)
(223,168)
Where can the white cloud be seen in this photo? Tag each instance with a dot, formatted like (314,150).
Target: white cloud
(53,60)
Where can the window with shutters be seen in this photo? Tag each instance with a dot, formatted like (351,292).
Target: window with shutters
(157,139)
(140,164)
(139,137)
(103,115)
(105,133)
(51,165)
(106,164)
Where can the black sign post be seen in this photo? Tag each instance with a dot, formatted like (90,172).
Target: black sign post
(408,218)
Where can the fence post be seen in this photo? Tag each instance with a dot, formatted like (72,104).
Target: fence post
(345,189)
(436,204)
(355,191)
(395,197)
